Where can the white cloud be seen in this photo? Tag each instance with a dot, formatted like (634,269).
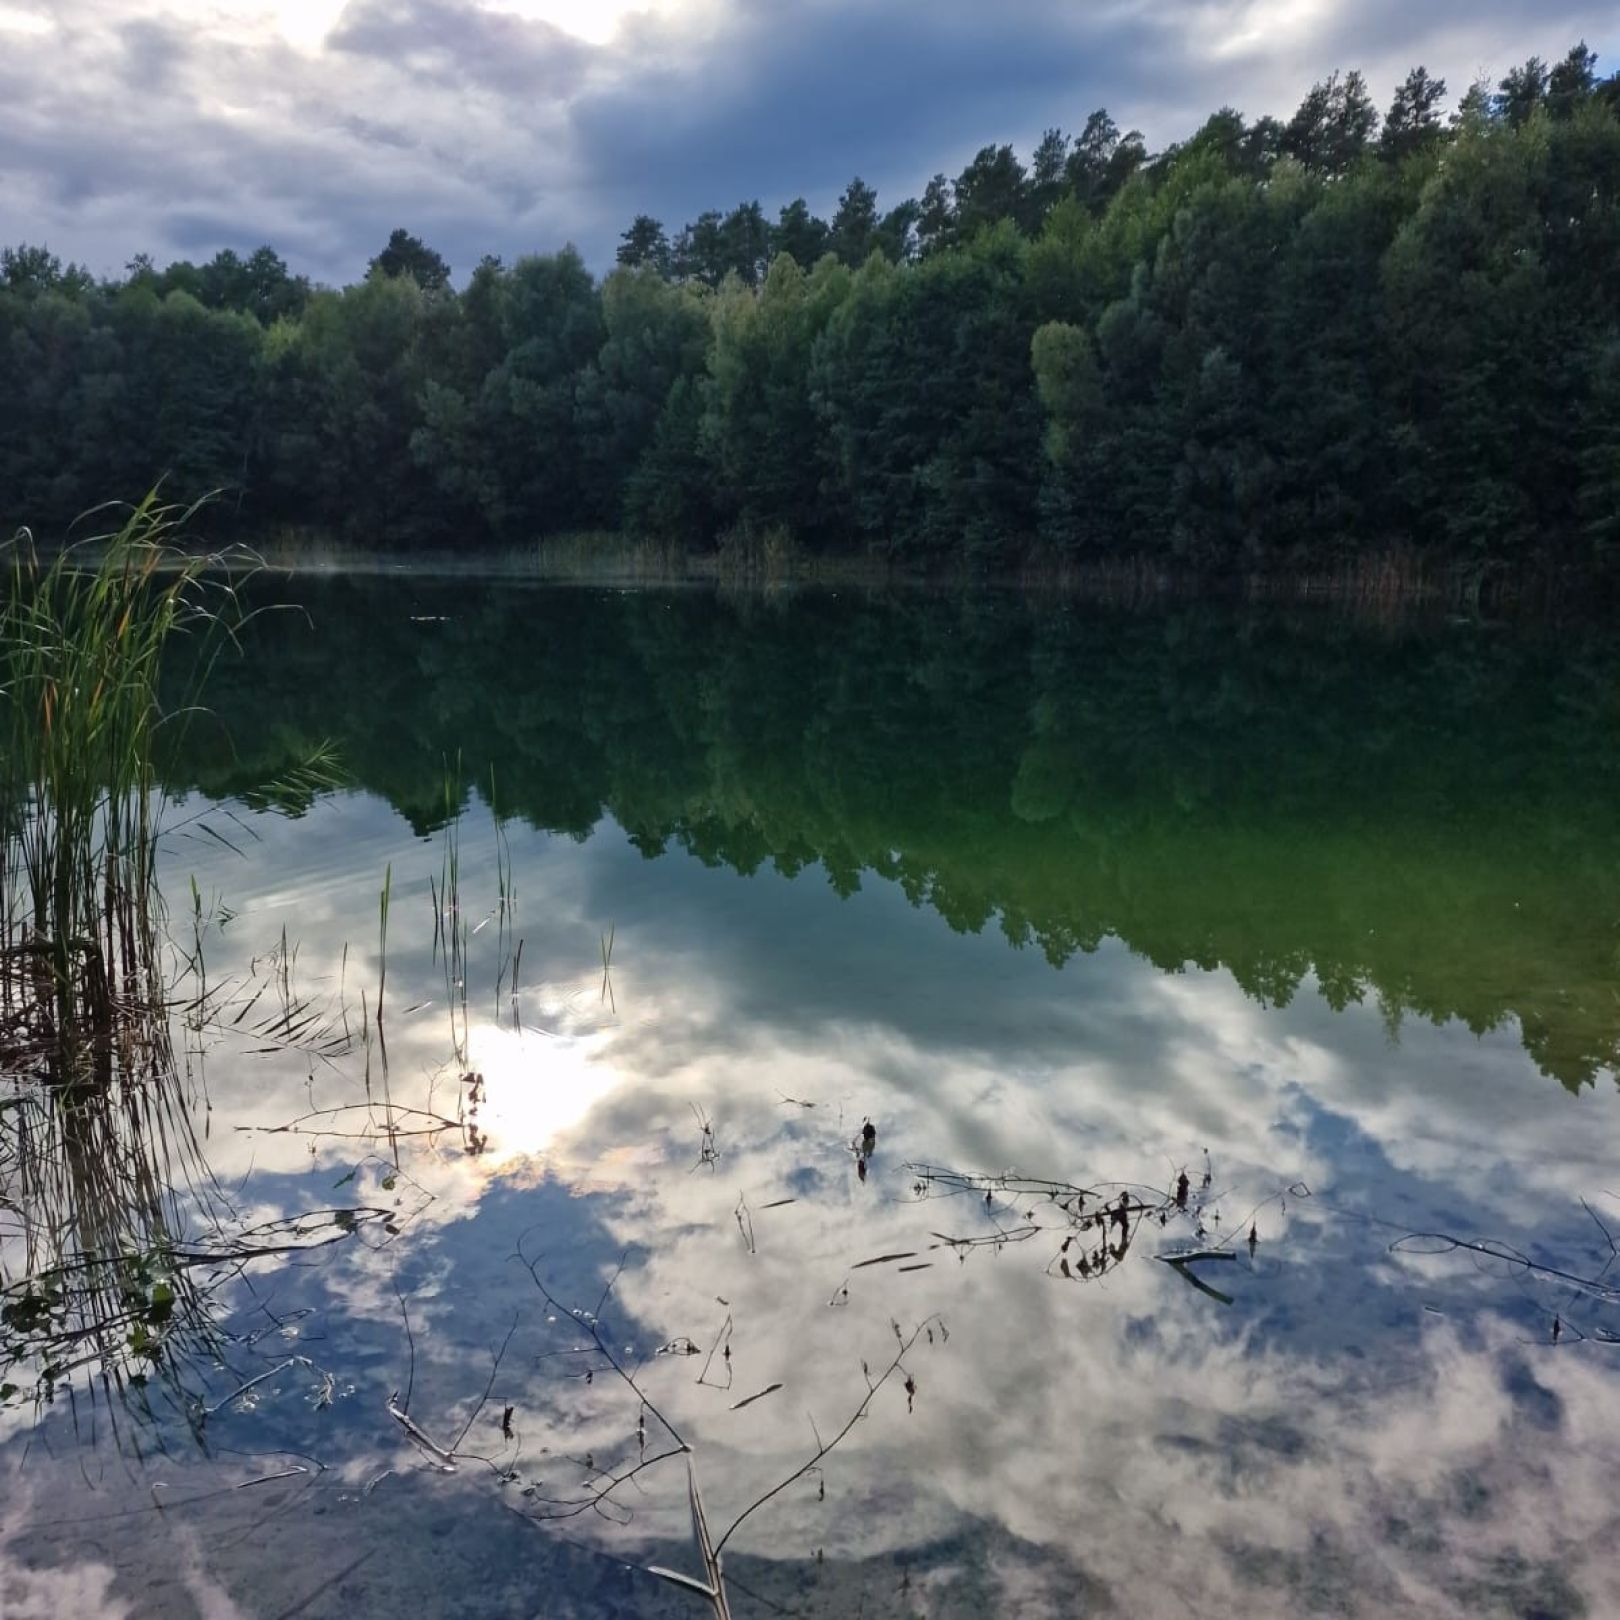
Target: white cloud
(19,20)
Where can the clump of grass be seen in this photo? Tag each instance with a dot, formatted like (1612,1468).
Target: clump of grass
(82,640)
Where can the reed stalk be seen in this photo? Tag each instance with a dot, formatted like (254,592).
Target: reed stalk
(82,641)
(114,1239)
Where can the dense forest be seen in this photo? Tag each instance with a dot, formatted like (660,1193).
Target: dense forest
(1280,342)
(1390,813)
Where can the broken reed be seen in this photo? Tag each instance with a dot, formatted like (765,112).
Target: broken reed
(82,639)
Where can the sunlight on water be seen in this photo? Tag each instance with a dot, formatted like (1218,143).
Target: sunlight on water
(537,1090)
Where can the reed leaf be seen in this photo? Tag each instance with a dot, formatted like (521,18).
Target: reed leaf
(82,640)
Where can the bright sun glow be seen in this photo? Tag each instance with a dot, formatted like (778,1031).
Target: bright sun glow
(536,1089)
(17,20)
(305,22)
(594,20)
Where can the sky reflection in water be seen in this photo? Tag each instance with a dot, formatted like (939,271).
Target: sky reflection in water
(1359,1431)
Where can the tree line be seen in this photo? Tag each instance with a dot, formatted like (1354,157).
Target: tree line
(1274,342)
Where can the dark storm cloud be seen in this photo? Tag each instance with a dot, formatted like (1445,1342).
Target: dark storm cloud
(154,124)
(374,133)
(893,93)
(799,99)
(196,231)
(154,52)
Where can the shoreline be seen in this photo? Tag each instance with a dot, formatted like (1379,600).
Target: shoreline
(1392,580)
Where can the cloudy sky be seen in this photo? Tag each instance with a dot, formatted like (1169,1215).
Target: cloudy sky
(178,127)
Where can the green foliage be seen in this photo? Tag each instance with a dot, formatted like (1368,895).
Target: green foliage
(1413,121)
(29,272)
(799,234)
(523,435)
(344,395)
(655,336)
(645,243)
(990,189)
(761,431)
(1499,309)
(922,381)
(1069,383)
(855,224)
(259,285)
(1334,125)
(408,255)
(669,493)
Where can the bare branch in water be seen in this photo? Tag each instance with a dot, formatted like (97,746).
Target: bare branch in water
(825,1447)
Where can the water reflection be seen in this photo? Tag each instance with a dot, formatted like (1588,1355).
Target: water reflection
(1419,819)
(1249,898)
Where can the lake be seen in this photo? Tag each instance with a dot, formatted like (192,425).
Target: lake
(1016,1106)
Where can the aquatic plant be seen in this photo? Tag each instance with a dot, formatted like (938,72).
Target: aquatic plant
(82,639)
(114,1237)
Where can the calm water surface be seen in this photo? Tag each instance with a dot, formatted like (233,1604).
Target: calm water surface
(1062,901)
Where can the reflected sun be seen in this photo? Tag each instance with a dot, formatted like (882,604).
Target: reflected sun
(536,1088)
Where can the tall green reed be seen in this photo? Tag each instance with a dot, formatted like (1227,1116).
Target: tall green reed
(114,1236)
(82,640)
